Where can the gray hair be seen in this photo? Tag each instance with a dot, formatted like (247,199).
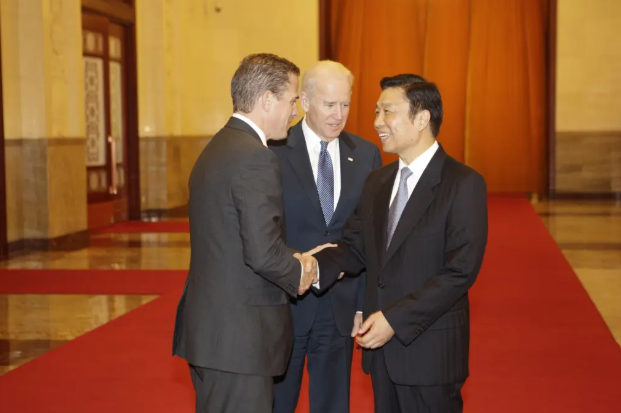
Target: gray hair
(257,74)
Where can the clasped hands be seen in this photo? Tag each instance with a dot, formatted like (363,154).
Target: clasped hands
(309,263)
(309,272)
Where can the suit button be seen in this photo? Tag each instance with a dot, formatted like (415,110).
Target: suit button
(381,285)
(325,234)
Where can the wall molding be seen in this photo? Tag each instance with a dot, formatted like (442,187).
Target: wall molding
(165,167)
(68,242)
(161,214)
(591,133)
(587,165)
(112,8)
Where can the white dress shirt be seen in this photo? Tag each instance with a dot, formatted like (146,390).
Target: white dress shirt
(313,144)
(253,126)
(417,167)
(264,140)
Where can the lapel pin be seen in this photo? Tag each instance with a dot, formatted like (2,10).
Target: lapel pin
(350,159)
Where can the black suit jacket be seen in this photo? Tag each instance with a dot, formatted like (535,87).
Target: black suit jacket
(234,314)
(421,282)
(306,227)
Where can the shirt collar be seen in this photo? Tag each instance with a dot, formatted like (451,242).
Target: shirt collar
(419,164)
(253,126)
(312,139)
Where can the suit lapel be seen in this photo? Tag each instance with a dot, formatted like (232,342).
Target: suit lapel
(348,172)
(418,203)
(300,162)
(381,208)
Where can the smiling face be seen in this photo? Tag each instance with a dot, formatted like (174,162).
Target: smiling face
(397,131)
(408,115)
(327,105)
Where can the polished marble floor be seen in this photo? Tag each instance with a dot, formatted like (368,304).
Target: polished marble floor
(32,324)
(115,251)
(588,233)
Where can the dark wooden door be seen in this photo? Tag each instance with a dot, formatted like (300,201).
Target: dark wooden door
(105,109)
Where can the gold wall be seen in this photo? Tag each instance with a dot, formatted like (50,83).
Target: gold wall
(588,96)
(43,102)
(187,54)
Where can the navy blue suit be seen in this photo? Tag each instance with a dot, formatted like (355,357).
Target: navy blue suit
(322,323)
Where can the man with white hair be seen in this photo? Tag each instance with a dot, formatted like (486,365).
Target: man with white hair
(323,169)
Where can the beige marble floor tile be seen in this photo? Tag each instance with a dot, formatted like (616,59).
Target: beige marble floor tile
(589,235)
(32,324)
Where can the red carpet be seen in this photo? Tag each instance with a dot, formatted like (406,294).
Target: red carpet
(90,281)
(538,342)
(146,227)
(538,345)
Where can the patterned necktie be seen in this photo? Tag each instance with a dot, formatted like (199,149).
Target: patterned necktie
(325,183)
(396,209)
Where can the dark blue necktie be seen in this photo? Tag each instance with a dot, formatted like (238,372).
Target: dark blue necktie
(325,183)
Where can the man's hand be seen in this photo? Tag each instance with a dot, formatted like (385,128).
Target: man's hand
(309,277)
(375,331)
(357,324)
(320,248)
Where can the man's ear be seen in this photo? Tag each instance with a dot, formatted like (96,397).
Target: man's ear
(305,101)
(423,120)
(267,101)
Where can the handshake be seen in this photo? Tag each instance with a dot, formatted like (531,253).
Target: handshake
(310,272)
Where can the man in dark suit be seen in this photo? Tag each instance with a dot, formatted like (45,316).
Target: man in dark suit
(233,323)
(323,170)
(420,230)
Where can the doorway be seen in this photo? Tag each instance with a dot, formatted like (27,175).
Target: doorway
(105,114)
(110,112)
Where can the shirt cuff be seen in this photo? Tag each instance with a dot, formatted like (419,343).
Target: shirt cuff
(316,285)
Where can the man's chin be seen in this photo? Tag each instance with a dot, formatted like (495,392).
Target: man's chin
(387,147)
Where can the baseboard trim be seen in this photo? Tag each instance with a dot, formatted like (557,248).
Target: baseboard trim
(159,214)
(586,196)
(68,242)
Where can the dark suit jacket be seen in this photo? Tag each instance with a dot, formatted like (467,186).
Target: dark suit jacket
(421,283)
(234,314)
(306,227)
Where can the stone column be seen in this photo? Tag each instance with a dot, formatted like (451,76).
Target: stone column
(44,123)
(168,146)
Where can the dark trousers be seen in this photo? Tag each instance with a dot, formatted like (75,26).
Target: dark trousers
(329,367)
(223,392)
(396,398)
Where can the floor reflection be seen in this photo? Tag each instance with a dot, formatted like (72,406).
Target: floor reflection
(589,235)
(114,251)
(31,325)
